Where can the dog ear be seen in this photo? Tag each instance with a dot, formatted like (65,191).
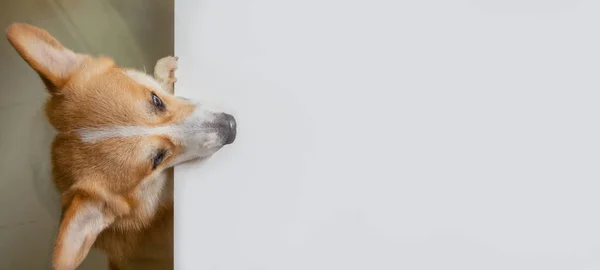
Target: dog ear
(53,62)
(82,221)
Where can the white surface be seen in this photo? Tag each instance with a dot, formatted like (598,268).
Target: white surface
(393,135)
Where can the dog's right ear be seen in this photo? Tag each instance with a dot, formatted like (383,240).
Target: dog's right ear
(53,62)
(83,220)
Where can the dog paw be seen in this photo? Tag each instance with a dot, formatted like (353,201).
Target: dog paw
(164,71)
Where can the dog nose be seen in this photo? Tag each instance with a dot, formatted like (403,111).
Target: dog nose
(230,120)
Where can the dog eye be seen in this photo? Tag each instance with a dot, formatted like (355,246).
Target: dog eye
(157,101)
(160,156)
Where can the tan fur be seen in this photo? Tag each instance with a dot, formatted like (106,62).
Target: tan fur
(134,200)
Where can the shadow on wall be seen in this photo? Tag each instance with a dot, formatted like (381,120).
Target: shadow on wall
(135,33)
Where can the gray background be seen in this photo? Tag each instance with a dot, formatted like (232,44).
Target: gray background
(429,134)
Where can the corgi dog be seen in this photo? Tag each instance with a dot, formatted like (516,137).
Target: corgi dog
(113,136)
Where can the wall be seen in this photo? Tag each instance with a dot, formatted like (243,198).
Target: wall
(393,135)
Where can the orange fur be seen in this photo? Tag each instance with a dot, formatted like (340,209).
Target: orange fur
(111,194)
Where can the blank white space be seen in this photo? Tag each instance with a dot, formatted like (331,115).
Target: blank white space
(430,134)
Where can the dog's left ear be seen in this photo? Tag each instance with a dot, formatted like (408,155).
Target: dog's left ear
(53,62)
(83,220)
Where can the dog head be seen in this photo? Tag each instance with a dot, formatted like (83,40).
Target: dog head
(117,129)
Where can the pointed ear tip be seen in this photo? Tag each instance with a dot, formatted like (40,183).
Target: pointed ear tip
(16,29)
(19,28)
(12,30)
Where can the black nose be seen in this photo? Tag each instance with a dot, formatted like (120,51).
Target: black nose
(230,120)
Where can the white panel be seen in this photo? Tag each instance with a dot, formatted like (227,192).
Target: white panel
(393,135)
